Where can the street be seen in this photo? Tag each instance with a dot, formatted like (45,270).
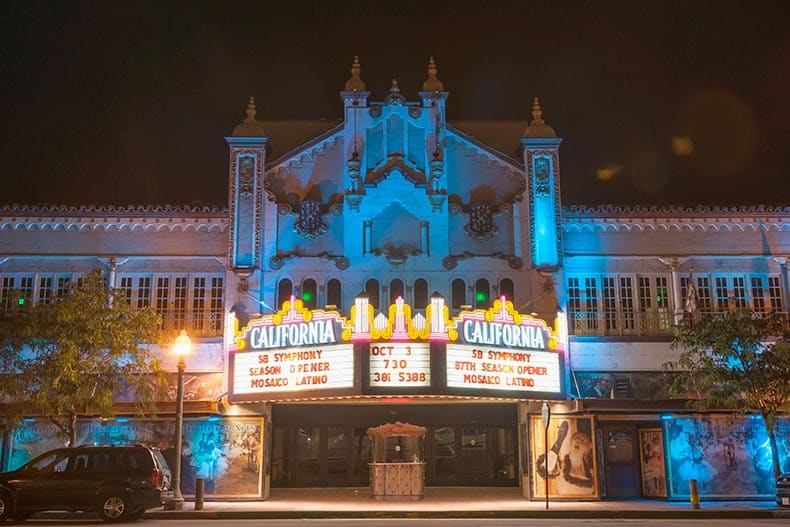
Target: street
(422,522)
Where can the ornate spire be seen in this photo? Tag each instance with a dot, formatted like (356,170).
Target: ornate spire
(250,111)
(355,82)
(432,84)
(538,127)
(250,127)
(537,113)
(395,90)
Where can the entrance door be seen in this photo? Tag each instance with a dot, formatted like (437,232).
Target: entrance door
(621,460)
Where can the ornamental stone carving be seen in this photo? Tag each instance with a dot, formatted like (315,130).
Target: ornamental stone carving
(309,223)
(481,222)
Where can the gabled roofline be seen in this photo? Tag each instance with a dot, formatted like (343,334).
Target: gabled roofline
(488,149)
(306,145)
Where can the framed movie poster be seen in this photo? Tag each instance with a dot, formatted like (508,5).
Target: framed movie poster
(651,454)
(572,467)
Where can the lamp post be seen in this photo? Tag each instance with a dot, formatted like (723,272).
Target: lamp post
(182,347)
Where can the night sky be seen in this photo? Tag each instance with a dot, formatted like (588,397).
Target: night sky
(659,101)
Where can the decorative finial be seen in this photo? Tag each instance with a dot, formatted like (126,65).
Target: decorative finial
(355,82)
(538,127)
(395,90)
(250,111)
(537,113)
(432,84)
(250,127)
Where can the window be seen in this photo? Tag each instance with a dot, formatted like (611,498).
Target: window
(507,289)
(627,302)
(482,294)
(420,293)
(703,295)
(758,299)
(722,297)
(609,303)
(333,293)
(396,290)
(191,302)
(9,300)
(372,290)
(458,294)
(591,298)
(309,293)
(127,288)
(739,292)
(606,304)
(199,303)
(284,291)
(64,286)
(216,314)
(775,293)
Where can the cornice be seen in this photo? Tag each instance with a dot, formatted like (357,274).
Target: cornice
(172,218)
(616,218)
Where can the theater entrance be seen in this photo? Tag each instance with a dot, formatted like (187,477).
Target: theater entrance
(328,446)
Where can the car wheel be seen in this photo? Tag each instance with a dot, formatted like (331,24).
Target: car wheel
(114,506)
(5,506)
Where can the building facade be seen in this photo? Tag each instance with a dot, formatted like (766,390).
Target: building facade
(396,268)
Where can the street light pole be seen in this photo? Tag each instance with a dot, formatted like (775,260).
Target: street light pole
(182,347)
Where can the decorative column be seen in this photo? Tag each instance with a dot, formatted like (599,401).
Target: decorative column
(674,264)
(541,162)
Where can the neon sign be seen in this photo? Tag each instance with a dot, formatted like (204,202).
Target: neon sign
(400,365)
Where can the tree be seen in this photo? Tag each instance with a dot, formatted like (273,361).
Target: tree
(70,356)
(736,362)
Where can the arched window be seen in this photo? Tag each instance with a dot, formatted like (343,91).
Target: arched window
(334,294)
(396,290)
(506,289)
(459,293)
(420,294)
(372,289)
(309,293)
(482,294)
(284,291)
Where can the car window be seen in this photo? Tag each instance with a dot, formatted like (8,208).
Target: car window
(79,462)
(52,462)
(60,464)
(139,459)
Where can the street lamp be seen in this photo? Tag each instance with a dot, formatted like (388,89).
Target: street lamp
(182,347)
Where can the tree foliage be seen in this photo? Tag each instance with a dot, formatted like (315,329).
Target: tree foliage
(736,362)
(70,356)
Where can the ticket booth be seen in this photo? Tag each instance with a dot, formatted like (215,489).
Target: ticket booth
(397,471)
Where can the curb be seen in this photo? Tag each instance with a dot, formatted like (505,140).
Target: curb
(559,514)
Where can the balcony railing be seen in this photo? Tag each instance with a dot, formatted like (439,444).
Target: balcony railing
(641,323)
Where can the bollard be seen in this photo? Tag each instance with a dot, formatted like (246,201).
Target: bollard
(694,493)
(199,486)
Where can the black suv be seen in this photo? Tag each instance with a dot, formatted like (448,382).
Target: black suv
(118,482)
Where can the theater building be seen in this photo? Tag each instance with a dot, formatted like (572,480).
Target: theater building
(396,268)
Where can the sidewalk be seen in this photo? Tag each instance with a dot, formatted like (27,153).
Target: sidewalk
(461,502)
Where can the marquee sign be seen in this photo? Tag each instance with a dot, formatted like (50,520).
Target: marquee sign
(293,369)
(504,350)
(293,350)
(400,365)
(300,350)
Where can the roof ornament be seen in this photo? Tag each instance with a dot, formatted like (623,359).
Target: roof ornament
(432,84)
(537,113)
(395,97)
(355,83)
(538,127)
(251,111)
(250,127)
